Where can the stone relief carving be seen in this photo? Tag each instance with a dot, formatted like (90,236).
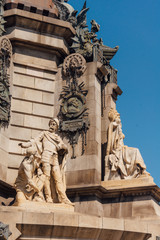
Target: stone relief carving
(65,10)
(5,60)
(41,175)
(73,111)
(2,21)
(121,161)
(85,42)
(4,231)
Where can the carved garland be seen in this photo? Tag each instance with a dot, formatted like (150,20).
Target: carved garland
(73,112)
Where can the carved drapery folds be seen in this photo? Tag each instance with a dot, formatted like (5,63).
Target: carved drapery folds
(73,111)
(121,161)
(4,231)
(5,97)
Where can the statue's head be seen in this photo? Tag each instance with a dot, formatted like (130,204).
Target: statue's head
(113,115)
(53,125)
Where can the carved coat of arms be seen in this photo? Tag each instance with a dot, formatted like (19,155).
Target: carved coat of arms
(73,110)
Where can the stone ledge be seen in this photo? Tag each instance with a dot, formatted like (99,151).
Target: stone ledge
(66,225)
(49,42)
(116,193)
(42,207)
(39,23)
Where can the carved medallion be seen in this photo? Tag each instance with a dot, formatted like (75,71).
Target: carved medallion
(73,112)
(73,106)
(74,64)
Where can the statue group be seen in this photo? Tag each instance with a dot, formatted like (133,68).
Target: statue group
(121,161)
(41,175)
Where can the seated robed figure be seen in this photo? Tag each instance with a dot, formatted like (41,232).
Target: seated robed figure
(121,161)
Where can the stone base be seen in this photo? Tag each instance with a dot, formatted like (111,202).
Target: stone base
(43,207)
(31,225)
(137,198)
(129,183)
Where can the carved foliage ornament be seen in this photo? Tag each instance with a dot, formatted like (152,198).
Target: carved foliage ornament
(5,59)
(5,97)
(73,110)
(4,231)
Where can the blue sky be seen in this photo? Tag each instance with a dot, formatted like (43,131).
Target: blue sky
(135,27)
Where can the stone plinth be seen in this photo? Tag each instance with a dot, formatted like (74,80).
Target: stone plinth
(137,198)
(39,225)
(45,207)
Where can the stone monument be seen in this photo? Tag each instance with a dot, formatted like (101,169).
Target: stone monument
(77,179)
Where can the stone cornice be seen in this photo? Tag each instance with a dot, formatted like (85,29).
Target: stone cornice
(40,24)
(122,194)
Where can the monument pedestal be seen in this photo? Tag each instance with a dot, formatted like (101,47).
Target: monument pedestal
(104,210)
(29,225)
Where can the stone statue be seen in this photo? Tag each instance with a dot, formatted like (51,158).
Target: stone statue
(121,162)
(41,174)
(30,181)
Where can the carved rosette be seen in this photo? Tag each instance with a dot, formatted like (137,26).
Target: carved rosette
(73,112)
(5,97)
